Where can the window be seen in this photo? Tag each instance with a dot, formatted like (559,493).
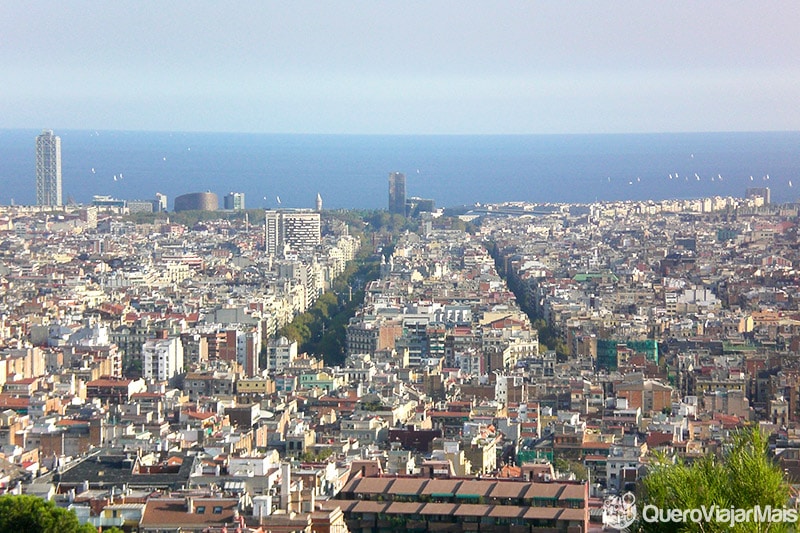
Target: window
(200,509)
(217,509)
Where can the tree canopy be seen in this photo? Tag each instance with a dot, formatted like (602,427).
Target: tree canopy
(31,514)
(743,478)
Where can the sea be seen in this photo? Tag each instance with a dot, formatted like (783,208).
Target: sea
(351,171)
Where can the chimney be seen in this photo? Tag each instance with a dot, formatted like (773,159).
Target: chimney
(286,483)
(190,505)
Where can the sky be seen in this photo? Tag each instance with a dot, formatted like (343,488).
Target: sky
(401,67)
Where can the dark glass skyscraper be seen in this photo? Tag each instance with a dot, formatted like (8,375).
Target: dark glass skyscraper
(397,193)
(48,169)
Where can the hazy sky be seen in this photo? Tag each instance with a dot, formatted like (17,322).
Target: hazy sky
(401,67)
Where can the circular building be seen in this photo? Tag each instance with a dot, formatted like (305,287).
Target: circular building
(197,201)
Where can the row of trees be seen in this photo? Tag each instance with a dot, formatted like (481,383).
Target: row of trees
(322,329)
(549,337)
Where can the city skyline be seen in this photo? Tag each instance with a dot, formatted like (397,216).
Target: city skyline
(288,170)
(520,67)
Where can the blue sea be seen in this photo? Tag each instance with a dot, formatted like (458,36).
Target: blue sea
(351,171)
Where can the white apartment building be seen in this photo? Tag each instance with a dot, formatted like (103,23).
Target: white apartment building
(281,353)
(162,358)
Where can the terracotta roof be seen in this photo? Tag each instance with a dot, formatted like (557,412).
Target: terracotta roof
(542,513)
(369,507)
(573,492)
(71,422)
(440,486)
(371,485)
(438,508)
(12,401)
(658,438)
(573,514)
(345,505)
(163,513)
(472,510)
(404,508)
(506,511)
(474,488)
(406,486)
(508,490)
(200,415)
(543,490)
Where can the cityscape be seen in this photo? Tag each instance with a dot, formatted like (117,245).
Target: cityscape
(368,267)
(505,367)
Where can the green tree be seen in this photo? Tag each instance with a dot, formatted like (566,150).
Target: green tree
(30,514)
(569,466)
(743,478)
(322,329)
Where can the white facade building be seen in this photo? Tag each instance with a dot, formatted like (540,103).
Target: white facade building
(162,358)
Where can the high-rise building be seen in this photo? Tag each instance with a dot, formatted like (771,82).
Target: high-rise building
(397,193)
(160,203)
(319,202)
(272,233)
(758,192)
(292,230)
(301,231)
(234,201)
(48,169)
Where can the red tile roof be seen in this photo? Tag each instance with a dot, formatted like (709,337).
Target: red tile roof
(14,402)
(170,513)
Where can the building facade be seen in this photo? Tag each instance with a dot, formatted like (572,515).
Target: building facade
(397,193)
(48,169)
(160,203)
(292,231)
(197,201)
(162,358)
(234,201)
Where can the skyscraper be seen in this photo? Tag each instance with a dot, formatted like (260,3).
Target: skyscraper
(48,169)
(272,233)
(234,201)
(397,193)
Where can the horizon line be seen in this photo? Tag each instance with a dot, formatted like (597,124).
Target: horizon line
(374,134)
